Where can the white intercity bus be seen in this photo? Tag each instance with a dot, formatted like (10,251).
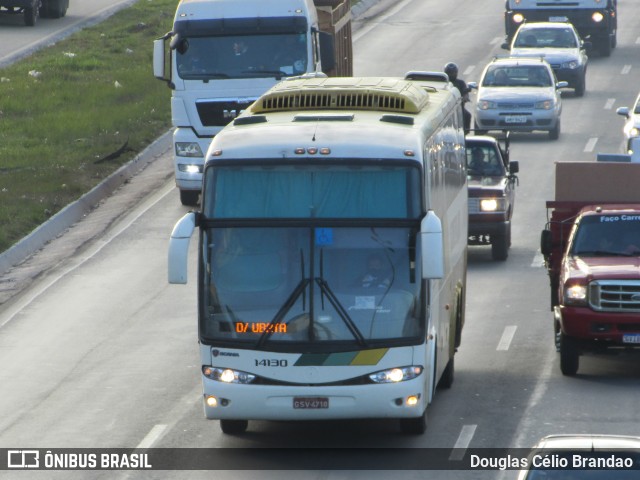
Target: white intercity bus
(333,252)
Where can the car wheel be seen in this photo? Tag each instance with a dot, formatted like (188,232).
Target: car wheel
(499,247)
(414,426)
(569,355)
(554,133)
(231,427)
(580,86)
(189,197)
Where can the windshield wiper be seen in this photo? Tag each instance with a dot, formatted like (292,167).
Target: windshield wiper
(275,73)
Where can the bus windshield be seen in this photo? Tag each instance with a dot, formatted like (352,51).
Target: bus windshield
(312,191)
(287,286)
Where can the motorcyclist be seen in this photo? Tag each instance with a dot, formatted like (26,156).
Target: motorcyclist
(451,69)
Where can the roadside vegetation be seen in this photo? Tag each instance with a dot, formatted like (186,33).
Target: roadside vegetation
(73,113)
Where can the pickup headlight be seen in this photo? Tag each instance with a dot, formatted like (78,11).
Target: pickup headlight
(496,204)
(486,105)
(544,105)
(572,65)
(188,149)
(597,17)
(395,375)
(227,375)
(575,295)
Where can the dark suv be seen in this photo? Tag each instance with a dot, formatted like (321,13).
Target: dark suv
(492,182)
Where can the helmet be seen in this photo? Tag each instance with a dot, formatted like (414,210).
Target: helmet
(451,69)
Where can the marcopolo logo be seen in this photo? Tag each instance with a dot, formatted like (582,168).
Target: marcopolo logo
(23,459)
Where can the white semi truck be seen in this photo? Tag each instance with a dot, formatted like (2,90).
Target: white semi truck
(221,55)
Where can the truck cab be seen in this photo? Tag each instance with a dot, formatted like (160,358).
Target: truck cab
(591,247)
(221,55)
(491,184)
(595,20)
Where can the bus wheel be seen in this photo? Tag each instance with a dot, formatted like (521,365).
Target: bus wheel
(414,426)
(569,355)
(446,380)
(234,426)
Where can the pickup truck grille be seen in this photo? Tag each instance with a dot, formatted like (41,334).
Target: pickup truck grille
(615,295)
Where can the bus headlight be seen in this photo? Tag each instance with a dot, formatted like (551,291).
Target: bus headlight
(597,17)
(575,295)
(188,149)
(518,18)
(395,375)
(227,375)
(634,132)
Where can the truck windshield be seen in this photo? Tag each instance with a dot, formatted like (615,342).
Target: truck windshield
(601,235)
(318,287)
(243,56)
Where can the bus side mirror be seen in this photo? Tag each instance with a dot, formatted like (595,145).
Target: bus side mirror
(546,242)
(431,247)
(179,248)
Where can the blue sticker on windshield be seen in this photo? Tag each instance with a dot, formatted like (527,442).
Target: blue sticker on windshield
(324,236)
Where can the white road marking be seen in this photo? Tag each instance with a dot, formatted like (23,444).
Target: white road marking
(638,41)
(538,260)
(155,433)
(609,104)
(507,337)
(79,261)
(591,144)
(625,70)
(468,70)
(496,40)
(464,439)
(363,31)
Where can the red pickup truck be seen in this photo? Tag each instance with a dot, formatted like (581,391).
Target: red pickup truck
(591,246)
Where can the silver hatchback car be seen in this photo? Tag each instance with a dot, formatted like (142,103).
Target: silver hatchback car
(519,94)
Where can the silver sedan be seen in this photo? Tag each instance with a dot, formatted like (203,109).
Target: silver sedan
(520,95)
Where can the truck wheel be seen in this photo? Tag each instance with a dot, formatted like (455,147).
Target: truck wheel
(54,8)
(414,426)
(569,355)
(605,46)
(499,247)
(554,133)
(231,427)
(31,14)
(189,197)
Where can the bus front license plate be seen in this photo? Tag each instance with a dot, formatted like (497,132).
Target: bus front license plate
(631,338)
(310,402)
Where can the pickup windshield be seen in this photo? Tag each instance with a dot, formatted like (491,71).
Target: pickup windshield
(607,235)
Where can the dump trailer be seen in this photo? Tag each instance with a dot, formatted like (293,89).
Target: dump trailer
(591,246)
(31,10)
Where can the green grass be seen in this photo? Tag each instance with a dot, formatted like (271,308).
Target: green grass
(57,124)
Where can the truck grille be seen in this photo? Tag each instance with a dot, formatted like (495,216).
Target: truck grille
(218,114)
(615,295)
